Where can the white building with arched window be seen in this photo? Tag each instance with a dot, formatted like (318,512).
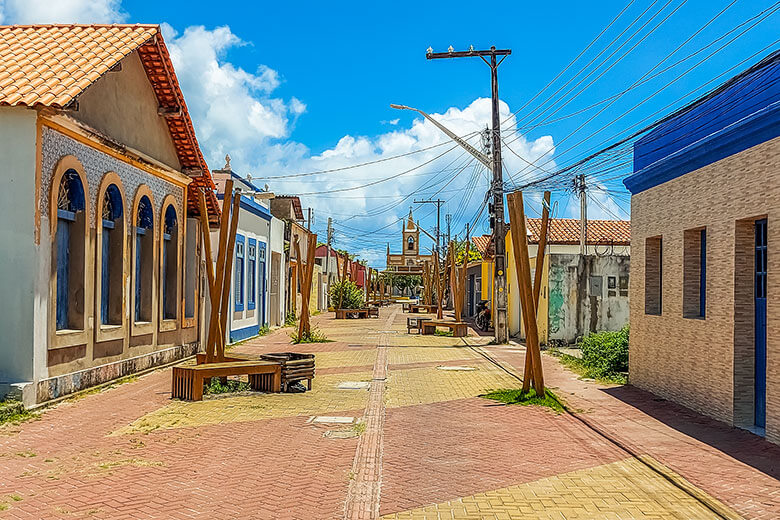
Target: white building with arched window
(100,268)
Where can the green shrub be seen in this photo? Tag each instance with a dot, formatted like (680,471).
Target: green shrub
(350,295)
(231,385)
(289,319)
(606,353)
(314,336)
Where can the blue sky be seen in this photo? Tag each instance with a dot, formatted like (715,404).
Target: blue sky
(291,87)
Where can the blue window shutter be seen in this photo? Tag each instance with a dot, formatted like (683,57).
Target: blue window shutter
(63,271)
(239,268)
(138,238)
(104,276)
(703,275)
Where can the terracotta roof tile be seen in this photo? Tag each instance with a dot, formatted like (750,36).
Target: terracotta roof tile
(567,231)
(50,65)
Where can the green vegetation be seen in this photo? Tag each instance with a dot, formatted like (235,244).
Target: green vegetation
(439,332)
(314,336)
(232,385)
(265,329)
(516,396)
(13,412)
(460,251)
(289,319)
(348,293)
(604,357)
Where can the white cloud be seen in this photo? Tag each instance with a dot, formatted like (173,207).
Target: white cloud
(61,11)
(233,109)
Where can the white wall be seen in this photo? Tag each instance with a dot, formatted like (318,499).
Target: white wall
(277,246)
(18,252)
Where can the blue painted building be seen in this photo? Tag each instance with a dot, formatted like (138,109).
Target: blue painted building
(705,212)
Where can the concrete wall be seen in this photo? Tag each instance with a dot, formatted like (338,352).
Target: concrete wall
(576,307)
(694,361)
(19,251)
(123,106)
(277,246)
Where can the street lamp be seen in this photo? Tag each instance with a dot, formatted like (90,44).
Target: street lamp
(470,149)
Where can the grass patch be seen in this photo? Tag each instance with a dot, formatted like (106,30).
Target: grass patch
(3,507)
(16,498)
(359,428)
(517,396)
(579,367)
(290,319)
(439,332)
(15,413)
(232,385)
(314,336)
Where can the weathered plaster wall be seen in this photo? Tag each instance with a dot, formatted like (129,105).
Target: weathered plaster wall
(277,246)
(576,307)
(18,251)
(123,106)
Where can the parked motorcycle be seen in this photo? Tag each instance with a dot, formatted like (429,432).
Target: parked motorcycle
(482,319)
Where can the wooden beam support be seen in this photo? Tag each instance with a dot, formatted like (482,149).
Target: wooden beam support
(213,293)
(224,307)
(523,267)
(540,249)
(215,335)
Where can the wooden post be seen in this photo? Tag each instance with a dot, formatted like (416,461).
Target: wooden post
(216,335)
(224,307)
(540,249)
(213,291)
(305,277)
(523,266)
(440,284)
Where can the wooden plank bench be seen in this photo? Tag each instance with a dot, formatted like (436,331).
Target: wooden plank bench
(459,328)
(187,381)
(415,323)
(342,314)
(295,367)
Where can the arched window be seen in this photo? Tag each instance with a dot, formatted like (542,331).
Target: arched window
(70,237)
(410,244)
(111,241)
(170,263)
(144,261)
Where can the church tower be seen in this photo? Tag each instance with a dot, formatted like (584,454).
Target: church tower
(411,237)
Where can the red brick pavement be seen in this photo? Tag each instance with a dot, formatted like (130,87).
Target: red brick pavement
(438,452)
(733,465)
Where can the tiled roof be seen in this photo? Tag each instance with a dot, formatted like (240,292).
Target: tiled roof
(567,231)
(50,65)
(296,203)
(482,243)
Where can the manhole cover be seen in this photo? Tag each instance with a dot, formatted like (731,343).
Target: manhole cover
(326,419)
(341,434)
(456,368)
(354,385)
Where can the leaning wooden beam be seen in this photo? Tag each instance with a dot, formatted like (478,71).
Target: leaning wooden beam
(540,249)
(217,336)
(213,293)
(523,267)
(225,304)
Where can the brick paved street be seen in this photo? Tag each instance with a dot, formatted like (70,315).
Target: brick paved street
(423,444)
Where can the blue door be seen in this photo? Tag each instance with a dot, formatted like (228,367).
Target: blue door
(760,321)
(471,295)
(261,281)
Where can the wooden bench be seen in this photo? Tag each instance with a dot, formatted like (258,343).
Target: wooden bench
(342,314)
(373,312)
(295,367)
(187,382)
(415,323)
(459,328)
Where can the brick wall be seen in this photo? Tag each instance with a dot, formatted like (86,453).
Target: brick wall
(707,364)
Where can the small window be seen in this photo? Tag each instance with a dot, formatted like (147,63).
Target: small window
(623,281)
(170,263)
(695,273)
(144,257)
(653,275)
(191,268)
(410,244)
(239,282)
(112,237)
(251,274)
(69,243)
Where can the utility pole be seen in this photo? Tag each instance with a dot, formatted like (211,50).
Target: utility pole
(448,219)
(327,254)
(580,187)
(308,225)
(499,233)
(438,203)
